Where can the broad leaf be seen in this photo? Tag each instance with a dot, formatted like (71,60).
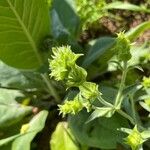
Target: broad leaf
(131,89)
(101,112)
(101,133)
(125,6)
(138,52)
(23,141)
(8,140)
(138,30)
(16,79)
(23,24)
(10,111)
(145,106)
(62,138)
(65,22)
(36,125)
(146,134)
(100,48)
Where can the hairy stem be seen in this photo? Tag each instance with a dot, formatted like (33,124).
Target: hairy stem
(51,89)
(125,115)
(105,103)
(119,96)
(133,108)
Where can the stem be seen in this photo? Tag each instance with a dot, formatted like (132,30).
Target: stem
(105,103)
(119,96)
(133,108)
(51,88)
(125,115)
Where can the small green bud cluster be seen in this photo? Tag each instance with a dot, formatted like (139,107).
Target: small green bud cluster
(147,102)
(146,85)
(134,139)
(89,90)
(90,11)
(62,63)
(146,82)
(123,47)
(71,106)
(64,68)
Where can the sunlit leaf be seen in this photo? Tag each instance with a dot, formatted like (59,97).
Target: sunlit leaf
(62,138)
(10,111)
(23,24)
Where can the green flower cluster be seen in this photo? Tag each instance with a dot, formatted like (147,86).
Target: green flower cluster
(134,139)
(90,11)
(146,82)
(62,63)
(89,90)
(64,68)
(71,106)
(123,47)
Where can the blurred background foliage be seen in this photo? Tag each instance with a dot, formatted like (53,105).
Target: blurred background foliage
(29,98)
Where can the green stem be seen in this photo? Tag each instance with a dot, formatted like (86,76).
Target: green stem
(51,89)
(133,108)
(122,113)
(125,115)
(119,96)
(105,103)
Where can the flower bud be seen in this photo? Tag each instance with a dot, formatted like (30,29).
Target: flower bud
(63,60)
(71,107)
(146,82)
(134,139)
(123,47)
(76,77)
(24,128)
(89,90)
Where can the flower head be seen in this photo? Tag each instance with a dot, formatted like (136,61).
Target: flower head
(134,139)
(76,77)
(89,90)
(146,82)
(123,47)
(24,128)
(63,60)
(71,107)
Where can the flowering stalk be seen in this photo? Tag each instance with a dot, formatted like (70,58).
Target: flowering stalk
(64,68)
(119,96)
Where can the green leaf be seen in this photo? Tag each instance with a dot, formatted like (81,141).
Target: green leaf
(138,53)
(17,79)
(100,48)
(62,138)
(131,89)
(10,111)
(101,112)
(145,106)
(145,134)
(125,6)
(22,141)
(36,125)
(8,140)
(134,33)
(108,93)
(65,22)
(101,133)
(23,24)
